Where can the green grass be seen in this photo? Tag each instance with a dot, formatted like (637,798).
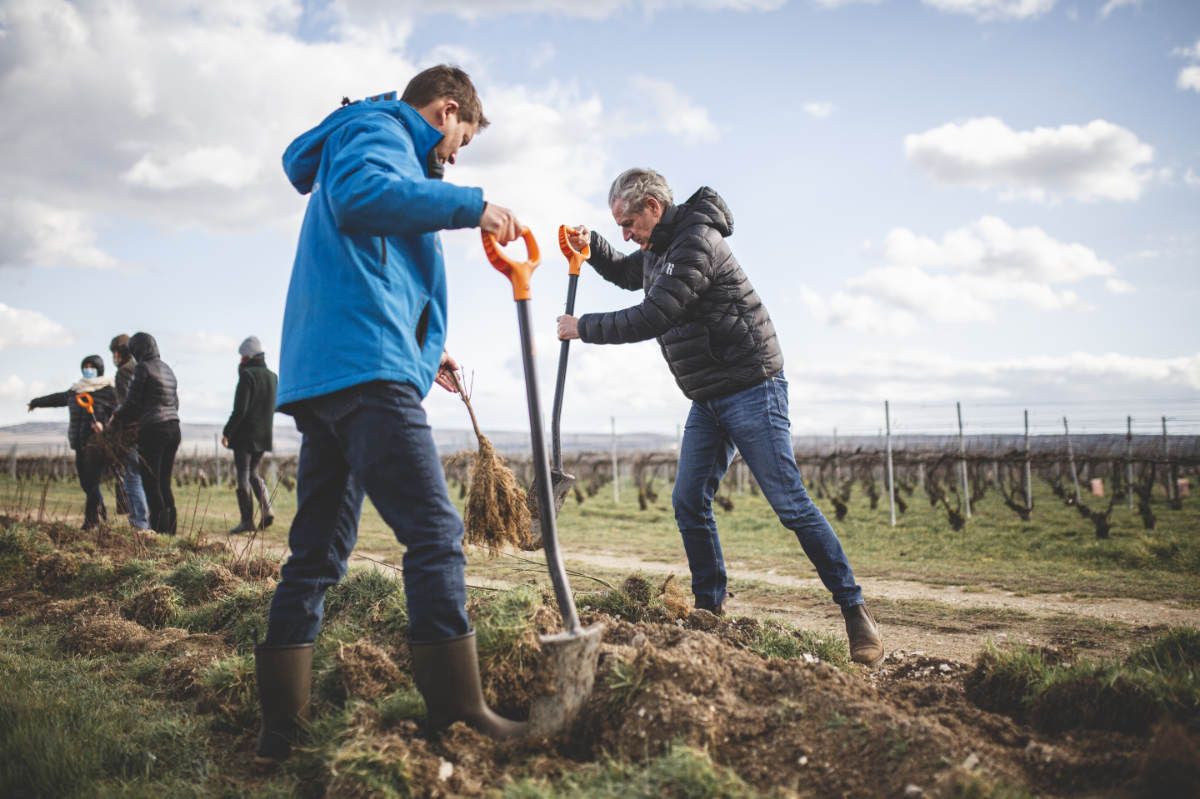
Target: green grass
(1055,552)
(682,773)
(1160,680)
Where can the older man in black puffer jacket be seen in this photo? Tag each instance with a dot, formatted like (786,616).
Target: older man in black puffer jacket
(720,345)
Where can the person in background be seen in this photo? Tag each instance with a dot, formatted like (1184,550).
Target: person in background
(126,438)
(89,451)
(248,432)
(153,405)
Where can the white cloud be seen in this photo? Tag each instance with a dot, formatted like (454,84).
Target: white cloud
(36,234)
(1192,52)
(962,278)
(596,9)
(841,3)
(818,109)
(672,111)
(1096,161)
(915,376)
(206,343)
(1191,178)
(994,10)
(1189,78)
(24,329)
(16,389)
(1113,5)
(1118,286)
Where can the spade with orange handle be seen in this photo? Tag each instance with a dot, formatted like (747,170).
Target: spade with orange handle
(575,259)
(570,656)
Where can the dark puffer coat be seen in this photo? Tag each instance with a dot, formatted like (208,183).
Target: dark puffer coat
(712,327)
(79,429)
(251,424)
(152,397)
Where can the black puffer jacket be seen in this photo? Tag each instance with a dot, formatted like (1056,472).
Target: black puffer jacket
(251,423)
(79,430)
(714,330)
(152,397)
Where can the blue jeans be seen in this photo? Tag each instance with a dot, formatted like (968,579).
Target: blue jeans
(755,423)
(373,440)
(135,495)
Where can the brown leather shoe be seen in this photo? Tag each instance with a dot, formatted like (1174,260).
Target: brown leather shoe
(284,676)
(866,646)
(447,675)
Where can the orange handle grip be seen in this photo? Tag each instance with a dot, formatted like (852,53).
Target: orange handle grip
(575,258)
(518,274)
(86,402)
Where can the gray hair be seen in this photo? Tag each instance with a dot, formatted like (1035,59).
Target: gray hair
(633,186)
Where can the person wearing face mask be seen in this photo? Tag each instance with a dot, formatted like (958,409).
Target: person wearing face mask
(131,482)
(249,432)
(721,347)
(152,403)
(89,452)
(363,342)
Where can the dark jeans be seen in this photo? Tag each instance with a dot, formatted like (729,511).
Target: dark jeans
(370,439)
(755,422)
(89,465)
(157,445)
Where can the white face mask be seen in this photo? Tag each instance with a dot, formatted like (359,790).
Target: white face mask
(89,372)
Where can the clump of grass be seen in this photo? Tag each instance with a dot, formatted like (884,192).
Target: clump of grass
(1160,681)
(638,600)
(775,640)
(405,704)
(134,575)
(354,599)
(200,580)
(227,687)
(152,607)
(369,768)
(682,773)
(238,615)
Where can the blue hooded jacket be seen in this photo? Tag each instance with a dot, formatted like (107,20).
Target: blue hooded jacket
(367,299)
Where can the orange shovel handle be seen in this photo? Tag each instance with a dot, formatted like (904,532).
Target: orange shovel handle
(517,273)
(575,258)
(86,402)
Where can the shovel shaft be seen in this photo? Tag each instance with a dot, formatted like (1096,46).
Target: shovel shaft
(541,473)
(561,382)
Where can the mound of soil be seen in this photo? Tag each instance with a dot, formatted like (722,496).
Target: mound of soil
(104,633)
(152,607)
(366,671)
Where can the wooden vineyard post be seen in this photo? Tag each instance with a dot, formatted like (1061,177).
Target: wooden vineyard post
(891,475)
(1168,467)
(962,450)
(1129,460)
(1028,479)
(616,485)
(1071,460)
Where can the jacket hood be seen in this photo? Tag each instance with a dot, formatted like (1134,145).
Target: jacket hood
(143,347)
(705,207)
(302,159)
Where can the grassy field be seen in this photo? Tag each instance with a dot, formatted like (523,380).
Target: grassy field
(1056,552)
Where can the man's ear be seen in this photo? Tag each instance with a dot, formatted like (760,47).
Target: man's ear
(449,108)
(654,205)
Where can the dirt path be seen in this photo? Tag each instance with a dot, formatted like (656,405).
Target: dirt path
(959,640)
(967,620)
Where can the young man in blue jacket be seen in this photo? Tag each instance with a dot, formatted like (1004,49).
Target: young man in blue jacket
(363,336)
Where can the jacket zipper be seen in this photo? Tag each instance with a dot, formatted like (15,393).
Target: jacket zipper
(383,249)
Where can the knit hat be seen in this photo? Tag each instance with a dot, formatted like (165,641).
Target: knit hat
(250,347)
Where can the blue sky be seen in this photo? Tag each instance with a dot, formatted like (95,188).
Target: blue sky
(992,201)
